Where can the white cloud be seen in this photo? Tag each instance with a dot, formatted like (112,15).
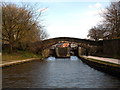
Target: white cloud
(90,6)
(97,5)
(92,13)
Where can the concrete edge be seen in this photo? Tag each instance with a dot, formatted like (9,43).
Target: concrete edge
(19,62)
(100,60)
(112,70)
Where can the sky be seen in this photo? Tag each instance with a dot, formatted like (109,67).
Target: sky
(71,19)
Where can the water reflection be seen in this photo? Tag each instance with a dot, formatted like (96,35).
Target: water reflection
(73,58)
(50,59)
(57,73)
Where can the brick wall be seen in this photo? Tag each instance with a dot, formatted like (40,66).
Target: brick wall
(111,47)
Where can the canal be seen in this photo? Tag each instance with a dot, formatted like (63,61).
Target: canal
(57,73)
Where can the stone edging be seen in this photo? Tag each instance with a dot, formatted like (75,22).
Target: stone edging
(112,70)
(18,62)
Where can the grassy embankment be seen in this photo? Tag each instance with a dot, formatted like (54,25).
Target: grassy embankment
(18,55)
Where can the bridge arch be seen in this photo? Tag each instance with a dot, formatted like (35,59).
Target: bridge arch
(81,42)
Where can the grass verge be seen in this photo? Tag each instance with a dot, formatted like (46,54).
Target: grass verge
(18,55)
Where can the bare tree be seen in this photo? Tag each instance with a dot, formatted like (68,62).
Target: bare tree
(19,24)
(110,27)
(96,33)
(112,19)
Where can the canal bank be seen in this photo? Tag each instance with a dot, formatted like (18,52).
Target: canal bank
(20,57)
(102,65)
(7,64)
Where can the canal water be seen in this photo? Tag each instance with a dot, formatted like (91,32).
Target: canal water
(57,73)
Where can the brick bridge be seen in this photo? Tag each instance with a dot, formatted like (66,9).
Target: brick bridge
(107,48)
(81,42)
